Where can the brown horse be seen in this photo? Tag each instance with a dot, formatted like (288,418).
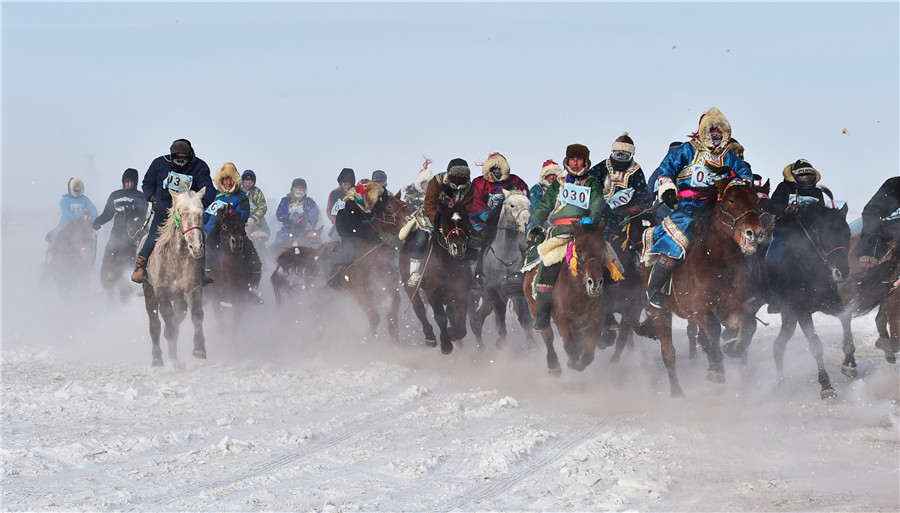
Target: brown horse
(72,256)
(710,287)
(230,275)
(579,305)
(446,278)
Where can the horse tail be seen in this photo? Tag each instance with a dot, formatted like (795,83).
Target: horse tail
(873,287)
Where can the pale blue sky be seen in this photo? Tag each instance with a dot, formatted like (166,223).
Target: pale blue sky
(304,89)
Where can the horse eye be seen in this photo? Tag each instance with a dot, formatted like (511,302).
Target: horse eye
(730,200)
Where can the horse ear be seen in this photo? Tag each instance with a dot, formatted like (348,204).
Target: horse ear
(397,195)
(766,187)
(202,191)
(174,195)
(844,210)
(506,193)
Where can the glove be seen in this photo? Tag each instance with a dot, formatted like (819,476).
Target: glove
(251,221)
(95,226)
(534,234)
(670,198)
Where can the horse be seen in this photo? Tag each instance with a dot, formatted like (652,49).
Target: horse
(118,259)
(174,270)
(710,287)
(72,255)
(446,277)
(880,287)
(503,254)
(230,275)
(579,305)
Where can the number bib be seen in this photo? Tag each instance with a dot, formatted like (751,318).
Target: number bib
(835,204)
(894,215)
(123,203)
(338,205)
(215,206)
(575,195)
(620,198)
(178,182)
(701,177)
(794,199)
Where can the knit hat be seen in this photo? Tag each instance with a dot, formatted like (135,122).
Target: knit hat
(578,151)
(623,143)
(802,172)
(298,183)
(495,160)
(550,168)
(131,175)
(228,171)
(346,175)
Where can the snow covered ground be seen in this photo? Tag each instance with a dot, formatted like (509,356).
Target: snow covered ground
(300,413)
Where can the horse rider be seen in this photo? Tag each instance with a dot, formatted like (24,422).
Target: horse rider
(346,179)
(180,171)
(881,223)
(624,185)
(380,177)
(127,209)
(684,173)
(298,215)
(354,223)
(550,171)
(450,188)
(575,197)
(488,196)
(231,195)
(73,205)
(257,227)
(662,210)
(414,195)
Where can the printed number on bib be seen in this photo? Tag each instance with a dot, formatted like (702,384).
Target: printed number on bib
(702,177)
(178,182)
(338,205)
(894,215)
(215,206)
(621,198)
(794,199)
(575,195)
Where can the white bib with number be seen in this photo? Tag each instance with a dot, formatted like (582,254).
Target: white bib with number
(215,206)
(620,198)
(701,176)
(894,215)
(575,195)
(795,199)
(338,205)
(178,182)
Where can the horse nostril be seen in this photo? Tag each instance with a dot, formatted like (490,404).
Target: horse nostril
(750,234)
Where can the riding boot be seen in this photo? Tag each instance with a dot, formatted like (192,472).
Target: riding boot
(140,270)
(544,303)
(255,297)
(658,288)
(415,272)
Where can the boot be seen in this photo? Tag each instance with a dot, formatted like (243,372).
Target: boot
(658,286)
(415,272)
(255,297)
(140,270)
(544,302)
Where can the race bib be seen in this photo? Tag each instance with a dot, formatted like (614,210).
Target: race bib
(215,206)
(338,205)
(894,215)
(621,198)
(494,200)
(575,195)
(835,204)
(123,203)
(701,177)
(795,199)
(178,182)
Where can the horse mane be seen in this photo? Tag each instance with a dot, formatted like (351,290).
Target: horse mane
(705,212)
(167,229)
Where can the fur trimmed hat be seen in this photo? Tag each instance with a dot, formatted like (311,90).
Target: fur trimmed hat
(801,167)
(550,168)
(459,167)
(578,151)
(623,143)
(366,194)
(228,171)
(495,160)
(713,118)
(424,176)
(73,183)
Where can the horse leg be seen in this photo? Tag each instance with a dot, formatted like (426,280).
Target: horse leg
(440,317)
(737,348)
(663,324)
(499,307)
(421,313)
(368,306)
(713,332)
(525,320)
(196,304)
(479,315)
(393,310)
(885,340)
(625,338)
(788,326)
(170,324)
(151,304)
(692,330)
(570,342)
(848,367)
(893,306)
(457,320)
(815,347)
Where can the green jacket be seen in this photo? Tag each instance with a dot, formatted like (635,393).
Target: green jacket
(258,208)
(552,207)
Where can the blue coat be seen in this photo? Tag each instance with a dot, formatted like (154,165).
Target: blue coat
(154,184)
(71,208)
(238,202)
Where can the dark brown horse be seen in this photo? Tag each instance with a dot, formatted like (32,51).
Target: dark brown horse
(72,256)
(231,278)
(710,287)
(579,305)
(879,287)
(446,278)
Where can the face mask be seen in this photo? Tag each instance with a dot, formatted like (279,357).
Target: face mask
(497,174)
(716,138)
(621,155)
(299,194)
(180,161)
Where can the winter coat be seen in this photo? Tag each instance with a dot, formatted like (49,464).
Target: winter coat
(335,202)
(297,218)
(555,208)
(439,192)
(238,201)
(792,202)
(258,209)
(625,192)
(489,195)
(127,209)
(155,185)
(72,207)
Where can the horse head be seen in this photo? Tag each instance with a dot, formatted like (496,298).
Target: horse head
(516,210)
(187,216)
(830,235)
(737,208)
(231,229)
(392,213)
(453,227)
(589,252)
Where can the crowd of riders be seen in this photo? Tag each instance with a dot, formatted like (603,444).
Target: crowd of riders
(612,191)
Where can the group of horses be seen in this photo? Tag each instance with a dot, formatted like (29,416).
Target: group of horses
(710,289)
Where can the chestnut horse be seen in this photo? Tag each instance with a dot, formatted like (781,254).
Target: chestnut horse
(710,287)
(579,305)
(230,275)
(446,278)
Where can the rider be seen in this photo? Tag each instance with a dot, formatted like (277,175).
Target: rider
(451,188)
(550,171)
(346,178)
(488,196)
(73,205)
(575,197)
(380,177)
(624,186)
(662,210)
(298,215)
(178,171)
(257,227)
(881,223)
(414,195)
(683,174)
(231,196)
(353,223)
(128,209)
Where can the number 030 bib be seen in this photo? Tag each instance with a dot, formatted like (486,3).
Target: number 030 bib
(576,195)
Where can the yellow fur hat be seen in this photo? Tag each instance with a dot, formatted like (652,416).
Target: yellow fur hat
(713,118)
(228,170)
(495,160)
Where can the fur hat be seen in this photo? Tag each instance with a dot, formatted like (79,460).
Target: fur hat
(623,143)
(459,167)
(366,194)
(713,118)
(130,174)
(578,151)
(495,160)
(346,175)
(550,168)
(802,166)
(73,183)
(228,171)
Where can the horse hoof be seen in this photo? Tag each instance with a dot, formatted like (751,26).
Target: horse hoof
(890,358)
(430,342)
(555,371)
(730,349)
(884,344)
(532,346)
(157,362)
(677,392)
(572,364)
(828,393)
(200,353)
(446,348)
(848,370)
(716,376)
